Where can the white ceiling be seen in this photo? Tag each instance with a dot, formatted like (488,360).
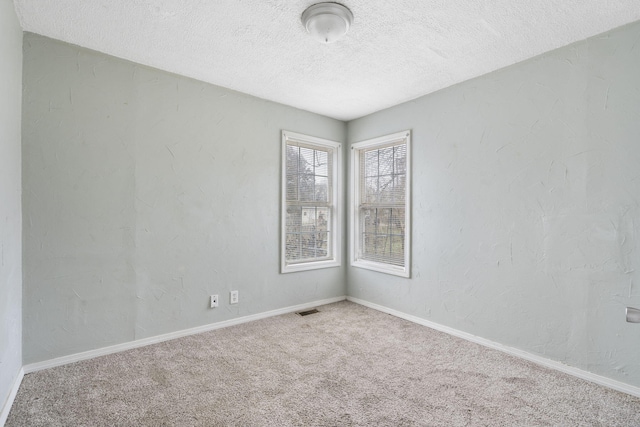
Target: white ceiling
(396,50)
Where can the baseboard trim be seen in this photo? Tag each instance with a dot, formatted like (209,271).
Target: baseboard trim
(576,372)
(64,360)
(6,408)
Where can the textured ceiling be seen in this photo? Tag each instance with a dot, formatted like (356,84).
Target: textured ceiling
(396,50)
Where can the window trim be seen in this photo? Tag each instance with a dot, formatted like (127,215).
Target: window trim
(354,221)
(336,189)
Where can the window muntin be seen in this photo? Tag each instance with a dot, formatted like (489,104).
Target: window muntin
(380,210)
(310,229)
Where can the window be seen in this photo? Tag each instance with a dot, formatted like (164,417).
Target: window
(380,213)
(310,208)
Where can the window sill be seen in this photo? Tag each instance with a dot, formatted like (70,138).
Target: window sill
(382,268)
(304,266)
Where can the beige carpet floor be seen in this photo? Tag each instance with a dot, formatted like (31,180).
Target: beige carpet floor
(345,366)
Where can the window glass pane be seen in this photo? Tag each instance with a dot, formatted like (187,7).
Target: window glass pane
(311,219)
(385,159)
(292,172)
(382,182)
(396,255)
(294,219)
(397,221)
(292,160)
(386,189)
(400,156)
(322,244)
(308,175)
(383,236)
(313,245)
(400,171)
(312,182)
(369,163)
(306,188)
(383,175)
(379,247)
(321,189)
(384,220)
(399,188)
(323,219)
(369,220)
(368,246)
(370,193)
(305,160)
(292,187)
(322,163)
(308,245)
(293,247)
(311,225)
(308,222)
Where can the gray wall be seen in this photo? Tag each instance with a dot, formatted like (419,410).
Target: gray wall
(526,196)
(10,205)
(144,193)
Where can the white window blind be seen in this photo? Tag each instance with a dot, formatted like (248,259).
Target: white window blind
(310,187)
(380,214)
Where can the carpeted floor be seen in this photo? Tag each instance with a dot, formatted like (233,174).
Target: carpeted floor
(345,366)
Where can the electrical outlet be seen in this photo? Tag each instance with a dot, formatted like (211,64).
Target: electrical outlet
(214,301)
(233,297)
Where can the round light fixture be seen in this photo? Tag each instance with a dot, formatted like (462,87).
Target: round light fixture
(327,22)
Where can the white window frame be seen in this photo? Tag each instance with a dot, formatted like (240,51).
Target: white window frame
(355,224)
(334,258)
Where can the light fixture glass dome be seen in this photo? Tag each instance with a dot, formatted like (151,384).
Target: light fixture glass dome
(327,22)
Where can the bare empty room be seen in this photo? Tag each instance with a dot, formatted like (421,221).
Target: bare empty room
(275,213)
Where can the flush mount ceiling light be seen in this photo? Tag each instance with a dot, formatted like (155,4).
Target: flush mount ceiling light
(327,22)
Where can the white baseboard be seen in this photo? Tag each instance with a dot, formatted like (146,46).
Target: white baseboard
(585,375)
(33,367)
(59,361)
(4,413)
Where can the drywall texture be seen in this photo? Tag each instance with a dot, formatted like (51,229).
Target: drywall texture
(261,47)
(144,193)
(10,204)
(526,196)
